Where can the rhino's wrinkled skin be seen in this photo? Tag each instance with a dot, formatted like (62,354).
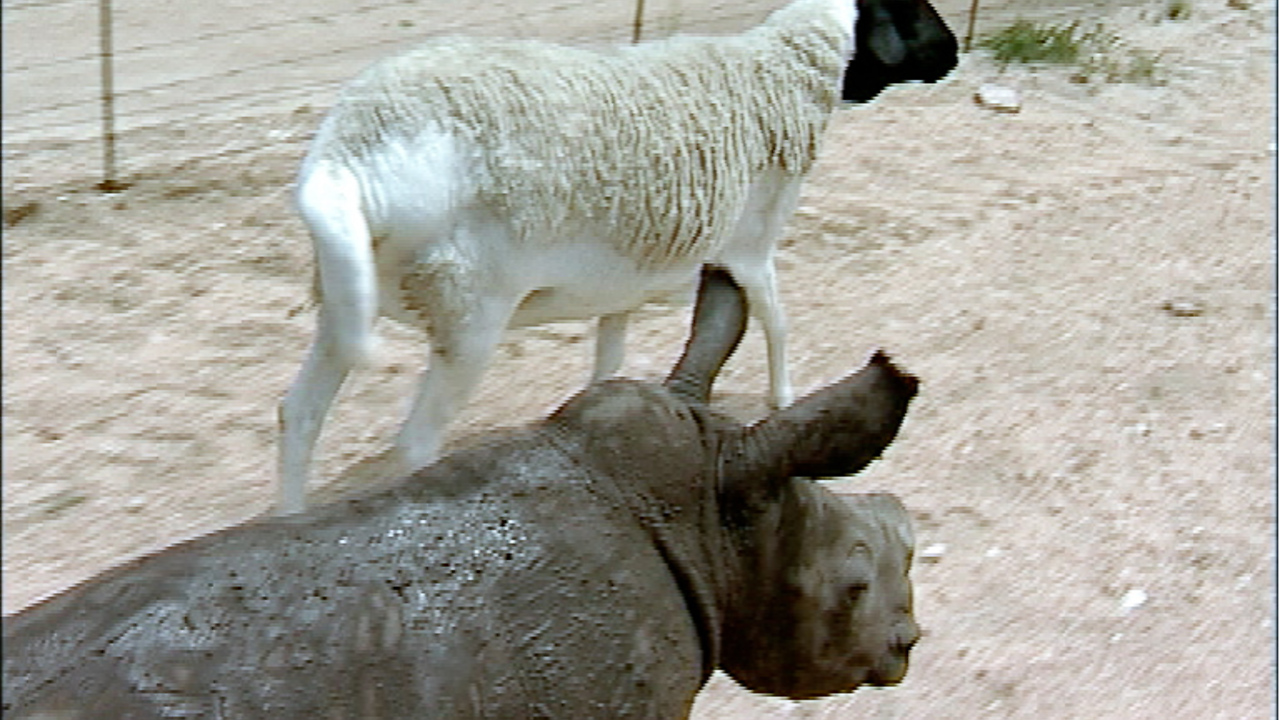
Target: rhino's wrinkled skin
(598,564)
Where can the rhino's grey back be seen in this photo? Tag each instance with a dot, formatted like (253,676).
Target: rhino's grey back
(442,603)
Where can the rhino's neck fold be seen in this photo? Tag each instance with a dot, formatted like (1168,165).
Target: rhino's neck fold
(769,626)
(669,497)
(700,596)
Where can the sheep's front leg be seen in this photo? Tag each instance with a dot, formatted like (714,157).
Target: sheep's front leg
(611,345)
(302,412)
(462,346)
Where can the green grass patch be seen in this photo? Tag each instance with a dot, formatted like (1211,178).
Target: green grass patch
(1096,53)
(60,502)
(1029,42)
(1177,9)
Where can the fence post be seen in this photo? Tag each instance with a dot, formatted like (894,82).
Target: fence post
(968,36)
(638,23)
(109,182)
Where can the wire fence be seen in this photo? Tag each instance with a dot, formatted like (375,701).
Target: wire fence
(80,74)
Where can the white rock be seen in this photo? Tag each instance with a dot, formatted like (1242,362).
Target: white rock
(1183,307)
(933,553)
(1133,599)
(999,98)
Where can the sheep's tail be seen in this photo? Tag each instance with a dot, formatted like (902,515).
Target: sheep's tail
(346,281)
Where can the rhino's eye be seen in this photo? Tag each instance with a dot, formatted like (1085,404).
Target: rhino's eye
(855,590)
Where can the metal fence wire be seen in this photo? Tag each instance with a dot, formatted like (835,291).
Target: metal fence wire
(85,74)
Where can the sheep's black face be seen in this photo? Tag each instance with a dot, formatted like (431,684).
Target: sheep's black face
(843,616)
(897,41)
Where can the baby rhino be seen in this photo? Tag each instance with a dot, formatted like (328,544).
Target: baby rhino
(600,563)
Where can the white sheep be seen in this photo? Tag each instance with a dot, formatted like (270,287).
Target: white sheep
(472,185)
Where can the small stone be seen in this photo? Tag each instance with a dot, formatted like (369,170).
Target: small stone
(1216,429)
(1133,599)
(1182,307)
(933,553)
(1141,429)
(998,98)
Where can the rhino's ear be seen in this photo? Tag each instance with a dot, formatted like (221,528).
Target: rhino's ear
(835,431)
(719,320)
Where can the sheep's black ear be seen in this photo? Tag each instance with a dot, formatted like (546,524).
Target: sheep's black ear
(835,431)
(719,320)
(897,41)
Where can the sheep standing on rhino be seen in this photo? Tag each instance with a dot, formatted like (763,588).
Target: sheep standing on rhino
(600,563)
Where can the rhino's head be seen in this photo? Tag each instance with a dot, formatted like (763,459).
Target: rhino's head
(827,602)
(811,595)
(823,603)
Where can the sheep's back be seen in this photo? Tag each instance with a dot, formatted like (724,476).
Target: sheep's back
(654,146)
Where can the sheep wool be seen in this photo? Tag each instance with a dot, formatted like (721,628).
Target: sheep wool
(659,143)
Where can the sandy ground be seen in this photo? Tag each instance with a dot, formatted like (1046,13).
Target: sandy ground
(1086,289)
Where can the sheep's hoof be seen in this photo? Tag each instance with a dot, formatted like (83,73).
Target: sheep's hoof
(781,400)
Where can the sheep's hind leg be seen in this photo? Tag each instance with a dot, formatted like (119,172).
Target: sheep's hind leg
(750,260)
(761,287)
(611,342)
(462,346)
(302,413)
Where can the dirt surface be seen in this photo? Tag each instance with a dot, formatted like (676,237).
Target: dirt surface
(1086,288)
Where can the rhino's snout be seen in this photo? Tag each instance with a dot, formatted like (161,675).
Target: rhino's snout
(908,638)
